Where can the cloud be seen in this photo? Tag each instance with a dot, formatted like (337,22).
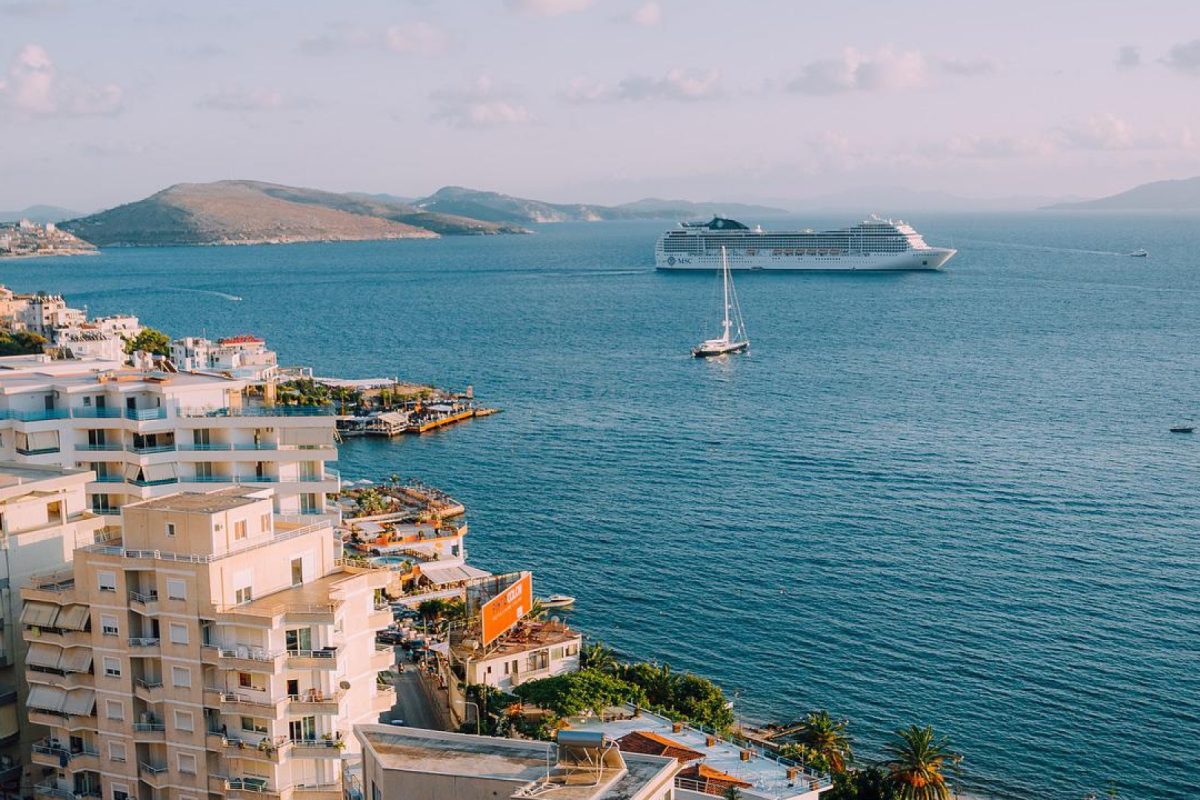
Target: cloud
(33,87)
(647,15)
(859,72)
(416,37)
(547,8)
(678,84)
(992,147)
(481,106)
(1185,57)
(1110,132)
(966,68)
(1128,57)
(249,100)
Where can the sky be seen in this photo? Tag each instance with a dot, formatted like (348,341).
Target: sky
(604,101)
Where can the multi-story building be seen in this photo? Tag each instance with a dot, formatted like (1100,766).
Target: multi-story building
(532,650)
(43,518)
(408,763)
(223,652)
(244,356)
(146,433)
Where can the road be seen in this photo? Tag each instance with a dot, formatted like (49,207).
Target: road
(412,704)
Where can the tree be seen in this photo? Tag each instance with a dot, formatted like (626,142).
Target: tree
(827,738)
(429,610)
(732,793)
(598,655)
(917,760)
(20,343)
(151,341)
(861,784)
(576,692)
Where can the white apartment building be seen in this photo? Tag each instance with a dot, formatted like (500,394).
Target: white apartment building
(216,650)
(43,519)
(244,356)
(147,433)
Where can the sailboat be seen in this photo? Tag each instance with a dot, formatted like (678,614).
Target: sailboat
(731,340)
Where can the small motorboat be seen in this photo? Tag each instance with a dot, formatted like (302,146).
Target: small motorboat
(558,601)
(1138,254)
(1183,429)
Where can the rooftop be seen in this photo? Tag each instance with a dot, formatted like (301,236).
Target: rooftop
(766,773)
(527,636)
(12,474)
(521,762)
(203,502)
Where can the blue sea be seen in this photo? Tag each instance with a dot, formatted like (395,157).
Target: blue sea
(947,498)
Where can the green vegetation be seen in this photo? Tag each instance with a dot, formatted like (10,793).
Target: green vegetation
(821,743)
(151,341)
(869,783)
(20,343)
(918,758)
(303,392)
(576,692)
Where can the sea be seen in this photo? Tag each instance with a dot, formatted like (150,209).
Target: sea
(938,498)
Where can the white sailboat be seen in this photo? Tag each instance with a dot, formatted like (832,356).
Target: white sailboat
(731,340)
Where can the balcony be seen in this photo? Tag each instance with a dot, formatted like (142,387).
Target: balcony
(41,451)
(153,774)
(146,449)
(109,479)
(159,482)
(100,448)
(92,412)
(317,748)
(149,732)
(144,598)
(144,646)
(313,659)
(248,659)
(314,702)
(50,753)
(150,691)
(264,749)
(254,788)
(380,618)
(260,411)
(37,416)
(326,791)
(240,703)
(145,414)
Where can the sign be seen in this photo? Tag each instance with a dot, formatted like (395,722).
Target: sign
(506,609)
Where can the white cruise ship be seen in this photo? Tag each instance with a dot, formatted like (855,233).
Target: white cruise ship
(875,244)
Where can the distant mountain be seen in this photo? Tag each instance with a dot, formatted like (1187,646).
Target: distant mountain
(1179,195)
(497,207)
(39,214)
(251,212)
(904,201)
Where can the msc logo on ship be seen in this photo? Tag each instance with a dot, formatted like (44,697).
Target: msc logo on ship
(671,260)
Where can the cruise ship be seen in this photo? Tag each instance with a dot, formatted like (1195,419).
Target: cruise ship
(874,244)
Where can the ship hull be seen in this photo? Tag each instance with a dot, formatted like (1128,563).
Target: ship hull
(933,258)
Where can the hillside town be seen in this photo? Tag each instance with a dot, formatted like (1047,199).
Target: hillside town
(26,239)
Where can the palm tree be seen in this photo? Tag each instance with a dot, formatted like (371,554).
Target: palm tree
(599,656)
(827,738)
(918,757)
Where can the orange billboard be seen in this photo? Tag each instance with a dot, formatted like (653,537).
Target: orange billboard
(506,609)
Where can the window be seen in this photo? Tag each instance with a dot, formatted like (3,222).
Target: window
(245,681)
(171,529)
(183,721)
(113,709)
(239,530)
(108,625)
(187,763)
(176,589)
(112,667)
(303,729)
(116,751)
(243,595)
(179,633)
(120,792)
(106,581)
(181,677)
(266,523)
(254,725)
(375,793)
(299,639)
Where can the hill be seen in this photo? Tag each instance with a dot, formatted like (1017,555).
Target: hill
(497,207)
(39,214)
(251,212)
(1177,195)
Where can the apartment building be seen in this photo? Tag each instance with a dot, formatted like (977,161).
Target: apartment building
(413,764)
(147,433)
(532,650)
(216,650)
(245,356)
(43,518)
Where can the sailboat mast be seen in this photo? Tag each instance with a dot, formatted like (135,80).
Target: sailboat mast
(725,286)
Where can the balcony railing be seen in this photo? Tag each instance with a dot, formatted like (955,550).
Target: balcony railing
(281,534)
(158,482)
(40,415)
(40,451)
(147,448)
(138,597)
(150,727)
(145,641)
(150,684)
(105,448)
(152,769)
(261,411)
(329,652)
(91,412)
(143,414)
(110,479)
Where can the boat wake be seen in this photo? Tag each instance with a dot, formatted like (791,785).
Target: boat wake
(224,295)
(1048,248)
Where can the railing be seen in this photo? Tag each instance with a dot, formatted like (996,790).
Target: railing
(260,411)
(143,414)
(137,414)
(41,451)
(153,769)
(61,581)
(250,654)
(145,641)
(256,479)
(36,416)
(330,652)
(206,479)
(146,449)
(317,742)
(159,482)
(48,790)
(203,558)
(91,412)
(94,448)
(138,597)
(316,697)
(150,727)
(110,479)
(245,699)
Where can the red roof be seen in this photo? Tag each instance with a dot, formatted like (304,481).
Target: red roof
(651,743)
(712,781)
(243,338)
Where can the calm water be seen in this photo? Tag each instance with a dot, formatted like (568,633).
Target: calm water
(928,497)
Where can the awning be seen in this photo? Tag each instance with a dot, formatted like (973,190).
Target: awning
(80,702)
(307,436)
(46,698)
(452,573)
(443,408)
(40,615)
(73,618)
(44,655)
(43,440)
(77,659)
(132,471)
(368,528)
(159,472)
